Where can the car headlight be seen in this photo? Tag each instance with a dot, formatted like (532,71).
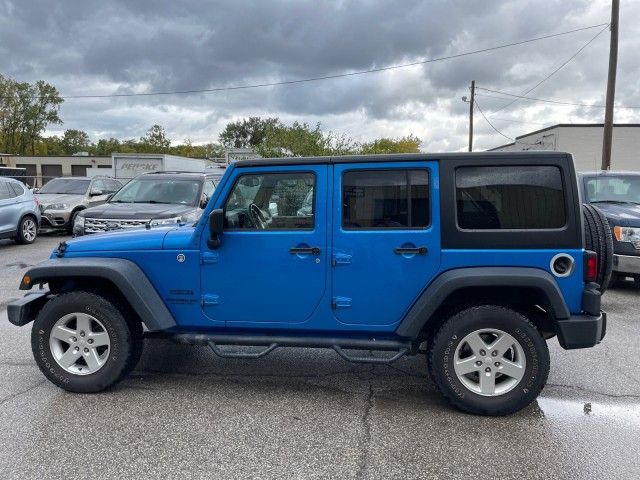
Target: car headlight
(57,206)
(628,234)
(156,222)
(78,222)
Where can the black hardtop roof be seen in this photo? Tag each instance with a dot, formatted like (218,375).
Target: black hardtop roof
(535,156)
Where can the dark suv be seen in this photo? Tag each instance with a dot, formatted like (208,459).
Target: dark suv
(151,199)
(475,259)
(617,195)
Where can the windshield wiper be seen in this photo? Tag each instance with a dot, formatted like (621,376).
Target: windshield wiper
(153,201)
(119,201)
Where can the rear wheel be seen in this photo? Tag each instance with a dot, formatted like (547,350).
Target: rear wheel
(489,360)
(82,343)
(27,230)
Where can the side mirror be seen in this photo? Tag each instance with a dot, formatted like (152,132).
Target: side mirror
(216,227)
(204,201)
(35,190)
(95,193)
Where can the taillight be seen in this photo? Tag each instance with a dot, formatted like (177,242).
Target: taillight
(590,266)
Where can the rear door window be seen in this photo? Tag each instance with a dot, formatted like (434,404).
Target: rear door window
(510,198)
(5,190)
(385,199)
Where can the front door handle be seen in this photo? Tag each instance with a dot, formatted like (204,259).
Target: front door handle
(304,250)
(410,250)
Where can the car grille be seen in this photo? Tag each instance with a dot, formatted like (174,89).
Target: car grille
(99,225)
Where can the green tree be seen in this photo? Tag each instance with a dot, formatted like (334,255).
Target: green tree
(248,132)
(107,146)
(302,140)
(74,141)
(26,110)
(155,140)
(408,144)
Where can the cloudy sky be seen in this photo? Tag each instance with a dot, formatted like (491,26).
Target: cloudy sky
(91,47)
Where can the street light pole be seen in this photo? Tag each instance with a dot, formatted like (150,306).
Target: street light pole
(607,140)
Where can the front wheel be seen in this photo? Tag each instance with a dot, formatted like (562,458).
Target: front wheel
(27,230)
(489,360)
(82,343)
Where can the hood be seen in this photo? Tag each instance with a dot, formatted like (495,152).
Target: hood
(137,211)
(49,198)
(622,214)
(139,239)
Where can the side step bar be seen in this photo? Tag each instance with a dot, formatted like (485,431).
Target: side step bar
(270,343)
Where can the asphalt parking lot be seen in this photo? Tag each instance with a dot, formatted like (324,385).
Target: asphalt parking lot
(302,413)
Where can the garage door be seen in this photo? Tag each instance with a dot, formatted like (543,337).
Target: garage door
(50,171)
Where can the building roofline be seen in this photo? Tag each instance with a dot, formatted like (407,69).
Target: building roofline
(563,125)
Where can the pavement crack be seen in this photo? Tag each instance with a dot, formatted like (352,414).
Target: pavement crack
(24,392)
(586,390)
(363,461)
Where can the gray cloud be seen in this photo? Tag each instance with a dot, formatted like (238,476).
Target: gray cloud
(120,46)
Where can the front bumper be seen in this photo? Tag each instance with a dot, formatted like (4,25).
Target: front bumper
(581,331)
(55,218)
(24,310)
(626,264)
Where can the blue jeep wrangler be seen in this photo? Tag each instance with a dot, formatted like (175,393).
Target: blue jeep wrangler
(474,259)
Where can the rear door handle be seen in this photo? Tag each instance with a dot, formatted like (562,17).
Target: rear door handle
(410,250)
(304,250)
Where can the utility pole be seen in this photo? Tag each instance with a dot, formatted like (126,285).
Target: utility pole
(471,103)
(611,87)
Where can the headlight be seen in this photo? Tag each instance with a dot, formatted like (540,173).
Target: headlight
(57,206)
(156,222)
(627,234)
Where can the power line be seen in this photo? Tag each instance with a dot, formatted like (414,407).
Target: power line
(491,124)
(548,100)
(565,63)
(514,140)
(515,121)
(339,75)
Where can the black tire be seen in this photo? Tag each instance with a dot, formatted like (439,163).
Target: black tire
(72,219)
(441,356)
(124,343)
(599,239)
(21,238)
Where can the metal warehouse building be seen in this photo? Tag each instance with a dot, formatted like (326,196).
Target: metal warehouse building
(584,141)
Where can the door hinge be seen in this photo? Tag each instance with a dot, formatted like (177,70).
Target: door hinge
(340,302)
(341,259)
(209,300)
(208,257)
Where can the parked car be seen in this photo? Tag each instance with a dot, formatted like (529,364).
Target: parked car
(19,212)
(478,256)
(61,199)
(150,199)
(617,195)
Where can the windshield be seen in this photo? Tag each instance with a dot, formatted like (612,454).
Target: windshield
(159,190)
(71,186)
(613,189)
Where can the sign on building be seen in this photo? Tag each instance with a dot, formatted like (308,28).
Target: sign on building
(232,155)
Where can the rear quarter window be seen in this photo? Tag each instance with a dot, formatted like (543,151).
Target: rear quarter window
(509,198)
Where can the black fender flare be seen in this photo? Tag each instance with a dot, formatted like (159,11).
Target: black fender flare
(124,274)
(448,282)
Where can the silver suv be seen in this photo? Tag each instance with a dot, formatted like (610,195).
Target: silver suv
(62,198)
(19,212)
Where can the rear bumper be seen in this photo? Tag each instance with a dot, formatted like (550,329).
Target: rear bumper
(626,264)
(22,311)
(581,331)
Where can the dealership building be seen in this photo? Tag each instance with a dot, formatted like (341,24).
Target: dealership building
(584,141)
